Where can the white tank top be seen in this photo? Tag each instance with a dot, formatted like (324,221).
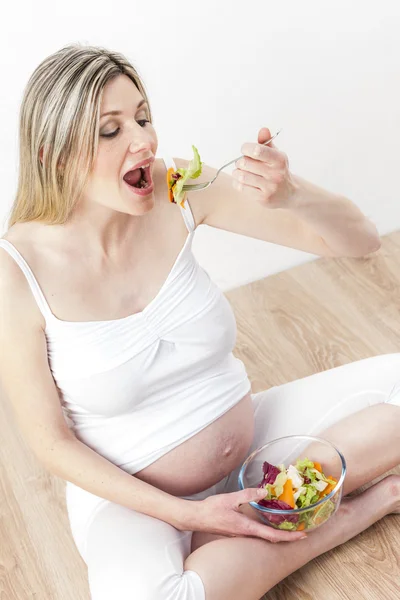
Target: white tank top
(134,388)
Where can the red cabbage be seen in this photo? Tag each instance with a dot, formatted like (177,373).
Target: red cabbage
(270,473)
(278,505)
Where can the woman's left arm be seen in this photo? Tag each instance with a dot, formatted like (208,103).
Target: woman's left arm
(264,200)
(342,226)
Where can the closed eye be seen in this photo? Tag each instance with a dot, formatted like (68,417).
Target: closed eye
(114,133)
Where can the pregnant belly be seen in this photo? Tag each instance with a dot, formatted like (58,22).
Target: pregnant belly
(207,457)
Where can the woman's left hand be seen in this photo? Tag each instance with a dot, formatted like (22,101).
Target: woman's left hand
(263,173)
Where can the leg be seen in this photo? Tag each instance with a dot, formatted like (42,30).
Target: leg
(246,568)
(370,442)
(346,405)
(131,556)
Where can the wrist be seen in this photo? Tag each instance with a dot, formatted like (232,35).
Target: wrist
(187,515)
(297,195)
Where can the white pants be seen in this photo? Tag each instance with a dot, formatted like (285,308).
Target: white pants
(132,556)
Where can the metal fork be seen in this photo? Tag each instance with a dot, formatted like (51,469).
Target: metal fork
(202,186)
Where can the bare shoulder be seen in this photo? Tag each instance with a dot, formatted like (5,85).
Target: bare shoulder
(26,378)
(16,300)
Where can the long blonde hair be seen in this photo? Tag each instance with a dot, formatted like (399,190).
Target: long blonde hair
(60,112)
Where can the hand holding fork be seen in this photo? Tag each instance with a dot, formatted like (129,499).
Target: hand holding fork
(263,172)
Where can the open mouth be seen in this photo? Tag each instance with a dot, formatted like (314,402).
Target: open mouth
(139,178)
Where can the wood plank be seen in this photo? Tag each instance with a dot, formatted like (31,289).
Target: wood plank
(38,558)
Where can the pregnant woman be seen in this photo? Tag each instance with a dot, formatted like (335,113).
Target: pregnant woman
(117,347)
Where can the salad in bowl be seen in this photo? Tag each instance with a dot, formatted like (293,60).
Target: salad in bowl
(302,495)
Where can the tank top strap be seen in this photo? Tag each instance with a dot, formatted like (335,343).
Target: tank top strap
(33,284)
(186,211)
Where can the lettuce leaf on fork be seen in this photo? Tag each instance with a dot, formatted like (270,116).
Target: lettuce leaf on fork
(192,172)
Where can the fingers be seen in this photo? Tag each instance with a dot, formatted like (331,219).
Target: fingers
(260,178)
(259,167)
(249,527)
(264,135)
(266,185)
(247,495)
(247,166)
(266,154)
(275,535)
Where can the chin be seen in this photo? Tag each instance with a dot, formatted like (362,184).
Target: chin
(140,205)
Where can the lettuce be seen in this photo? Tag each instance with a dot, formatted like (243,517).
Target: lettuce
(307,498)
(317,474)
(192,172)
(306,518)
(295,477)
(280,481)
(311,474)
(288,526)
(303,464)
(323,513)
(268,491)
(299,492)
(320,485)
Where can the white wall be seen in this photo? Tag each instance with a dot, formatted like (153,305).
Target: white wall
(216,72)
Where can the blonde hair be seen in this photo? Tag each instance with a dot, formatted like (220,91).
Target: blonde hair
(60,112)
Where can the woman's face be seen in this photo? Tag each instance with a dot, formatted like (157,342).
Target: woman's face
(125,139)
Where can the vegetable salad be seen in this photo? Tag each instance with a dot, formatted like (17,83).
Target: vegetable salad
(177,179)
(297,486)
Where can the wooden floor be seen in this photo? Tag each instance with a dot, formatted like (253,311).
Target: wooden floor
(305,320)
(290,325)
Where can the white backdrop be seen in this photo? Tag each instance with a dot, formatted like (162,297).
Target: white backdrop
(218,71)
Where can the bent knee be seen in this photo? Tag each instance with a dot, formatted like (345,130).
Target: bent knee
(199,538)
(133,584)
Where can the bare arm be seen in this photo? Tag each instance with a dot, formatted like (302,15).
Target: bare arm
(316,220)
(73,461)
(30,389)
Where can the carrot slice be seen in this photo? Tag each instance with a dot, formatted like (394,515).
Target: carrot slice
(317,466)
(326,491)
(287,494)
(301,526)
(170,194)
(328,488)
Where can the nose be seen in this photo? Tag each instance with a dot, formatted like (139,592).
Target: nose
(137,146)
(140,141)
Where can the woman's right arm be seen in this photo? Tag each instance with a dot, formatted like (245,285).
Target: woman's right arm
(29,386)
(30,389)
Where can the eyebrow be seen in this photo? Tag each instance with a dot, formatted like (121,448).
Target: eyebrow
(119,112)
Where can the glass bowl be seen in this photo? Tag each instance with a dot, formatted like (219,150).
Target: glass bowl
(287,450)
